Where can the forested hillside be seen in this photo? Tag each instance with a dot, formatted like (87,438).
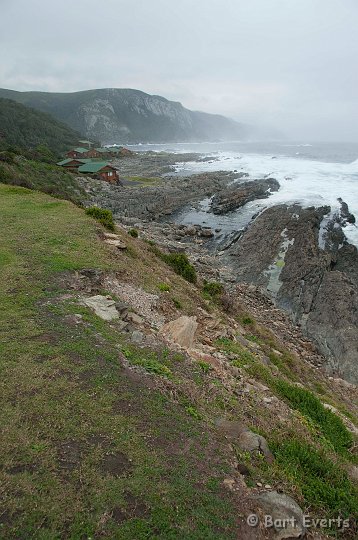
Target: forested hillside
(27,128)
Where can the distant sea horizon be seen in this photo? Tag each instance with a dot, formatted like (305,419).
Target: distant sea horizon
(331,152)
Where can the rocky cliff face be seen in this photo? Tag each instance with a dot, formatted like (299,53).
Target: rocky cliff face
(115,115)
(311,272)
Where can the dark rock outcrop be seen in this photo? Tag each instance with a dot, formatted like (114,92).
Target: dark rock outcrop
(317,285)
(238,194)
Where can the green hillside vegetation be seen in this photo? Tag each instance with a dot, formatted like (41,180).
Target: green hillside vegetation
(104,438)
(16,169)
(26,128)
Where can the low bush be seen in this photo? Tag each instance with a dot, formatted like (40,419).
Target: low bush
(103,216)
(148,361)
(178,261)
(181,265)
(177,303)
(213,288)
(204,366)
(164,287)
(247,320)
(133,233)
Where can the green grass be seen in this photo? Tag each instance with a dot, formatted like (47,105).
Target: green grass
(247,321)
(179,262)
(147,360)
(177,303)
(204,366)
(324,486)
(330,425)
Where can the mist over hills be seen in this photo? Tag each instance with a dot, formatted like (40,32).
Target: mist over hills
(116,115)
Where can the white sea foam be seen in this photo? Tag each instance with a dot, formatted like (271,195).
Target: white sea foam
(307,182)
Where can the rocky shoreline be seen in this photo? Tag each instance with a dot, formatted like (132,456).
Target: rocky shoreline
(296,258)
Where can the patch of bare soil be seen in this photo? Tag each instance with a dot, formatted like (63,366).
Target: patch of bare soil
(70,455)
(116,464)
(134,508)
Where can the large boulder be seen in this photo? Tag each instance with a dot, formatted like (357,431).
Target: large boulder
(283,514)
(247,440)
(181,331)
(254,443)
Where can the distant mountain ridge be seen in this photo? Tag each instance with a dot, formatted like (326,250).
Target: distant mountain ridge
(117,115)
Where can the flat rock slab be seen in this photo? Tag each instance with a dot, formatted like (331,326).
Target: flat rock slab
(103,306)
(116,243)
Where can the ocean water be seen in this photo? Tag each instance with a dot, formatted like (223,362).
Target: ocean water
(309,174)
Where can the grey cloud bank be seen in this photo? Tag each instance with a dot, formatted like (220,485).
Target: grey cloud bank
(289,64)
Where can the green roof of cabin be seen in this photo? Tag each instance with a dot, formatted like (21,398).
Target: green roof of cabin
(93,166)
(80,150)
(68,160)
(102,150)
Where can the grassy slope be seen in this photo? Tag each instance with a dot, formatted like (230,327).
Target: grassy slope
(94,449)
(66,404)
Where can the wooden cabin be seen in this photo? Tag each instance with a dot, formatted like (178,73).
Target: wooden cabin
(79,152)
(100,169)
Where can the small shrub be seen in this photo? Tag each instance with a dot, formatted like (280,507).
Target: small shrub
(247,320)
(133,233)
(164,287)
(213,289)
(105,217)
(178,261)
(150,242)
(245,359)
(204,366)
(177,303)
(7,157)
(193,412)
(227,302)
(259,371)
(181,265)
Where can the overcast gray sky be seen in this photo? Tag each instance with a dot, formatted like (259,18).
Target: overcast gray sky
(291,64)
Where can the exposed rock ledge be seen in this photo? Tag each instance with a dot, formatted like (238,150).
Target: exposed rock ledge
(237,195)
